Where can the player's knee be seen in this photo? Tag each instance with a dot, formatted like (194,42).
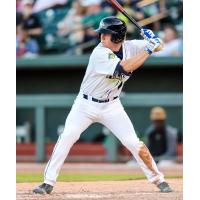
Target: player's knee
(131,143)
(71,133)
(141,148)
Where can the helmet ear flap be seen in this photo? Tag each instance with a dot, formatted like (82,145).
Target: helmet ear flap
(115,38)
(120,36)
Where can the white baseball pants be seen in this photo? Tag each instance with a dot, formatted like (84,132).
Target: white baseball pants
(112,115)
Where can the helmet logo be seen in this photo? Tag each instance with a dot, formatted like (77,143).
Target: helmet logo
(103,25)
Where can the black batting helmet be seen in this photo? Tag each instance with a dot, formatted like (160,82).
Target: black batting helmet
(114,26)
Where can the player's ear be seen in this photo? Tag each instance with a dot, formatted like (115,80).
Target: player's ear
(102,37)
(99,36)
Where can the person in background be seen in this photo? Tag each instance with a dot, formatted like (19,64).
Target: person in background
(173,44)
(94,14)
(45,4)
(29,20)
(161,137)
(71,24)
(25,46)
(72,20)
(18,6)
(153,9)
(133,10)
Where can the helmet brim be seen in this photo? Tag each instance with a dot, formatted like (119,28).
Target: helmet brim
(106,31)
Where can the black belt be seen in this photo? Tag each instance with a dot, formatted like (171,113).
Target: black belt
(85,96)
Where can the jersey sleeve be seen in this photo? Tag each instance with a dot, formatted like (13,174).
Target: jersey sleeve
(136,46)
(104,62)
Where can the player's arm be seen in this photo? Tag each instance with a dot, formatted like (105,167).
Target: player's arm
(135,62)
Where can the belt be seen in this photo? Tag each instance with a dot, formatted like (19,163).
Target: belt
(85,96)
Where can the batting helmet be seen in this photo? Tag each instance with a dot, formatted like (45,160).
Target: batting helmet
(114,26)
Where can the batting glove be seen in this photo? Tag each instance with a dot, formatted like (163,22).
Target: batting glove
(152,45)
(147,34)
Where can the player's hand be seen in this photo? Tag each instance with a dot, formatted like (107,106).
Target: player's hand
(154,45)
(147,34)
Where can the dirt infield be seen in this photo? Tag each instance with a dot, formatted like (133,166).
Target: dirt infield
(102,190)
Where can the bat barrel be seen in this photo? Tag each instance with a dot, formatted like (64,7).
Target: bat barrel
(116,5)
(132,20)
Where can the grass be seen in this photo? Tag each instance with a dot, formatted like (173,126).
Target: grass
(65,177)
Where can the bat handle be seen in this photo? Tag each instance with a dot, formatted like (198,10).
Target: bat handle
(137,25)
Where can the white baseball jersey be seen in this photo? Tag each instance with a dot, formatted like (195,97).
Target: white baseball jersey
(103,79)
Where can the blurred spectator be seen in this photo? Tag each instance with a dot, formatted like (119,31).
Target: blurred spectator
(72,20)
(71,24)
(19,5)
(29,20)
(161,137)
(92,18)
(133,10)
(173,44)
(176,14)
(45,4)
(76,29)
(19,19)
(89,21)
(25,46)
(153,8)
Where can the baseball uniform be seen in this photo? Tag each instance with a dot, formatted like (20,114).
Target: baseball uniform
(99,101)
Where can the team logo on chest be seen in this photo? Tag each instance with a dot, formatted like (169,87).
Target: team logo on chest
(111,56)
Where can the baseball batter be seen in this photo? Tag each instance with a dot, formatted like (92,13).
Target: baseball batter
(111,64)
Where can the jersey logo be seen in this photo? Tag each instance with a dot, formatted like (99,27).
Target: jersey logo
(116,77)
(111,56)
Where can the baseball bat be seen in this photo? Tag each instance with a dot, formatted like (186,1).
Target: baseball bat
(116,5)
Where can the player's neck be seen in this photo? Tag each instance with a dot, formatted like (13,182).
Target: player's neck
(114,47)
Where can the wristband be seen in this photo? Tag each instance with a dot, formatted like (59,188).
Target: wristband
(148,51)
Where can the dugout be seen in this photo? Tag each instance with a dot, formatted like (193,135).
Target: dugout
(46,87)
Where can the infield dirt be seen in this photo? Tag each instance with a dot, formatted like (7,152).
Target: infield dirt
(102,190)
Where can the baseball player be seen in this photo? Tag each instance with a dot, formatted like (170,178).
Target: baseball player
(111,64)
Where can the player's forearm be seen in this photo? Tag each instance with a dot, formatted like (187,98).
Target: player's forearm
(134,63)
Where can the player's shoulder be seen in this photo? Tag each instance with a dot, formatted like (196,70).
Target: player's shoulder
(100,49)
(100,52)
